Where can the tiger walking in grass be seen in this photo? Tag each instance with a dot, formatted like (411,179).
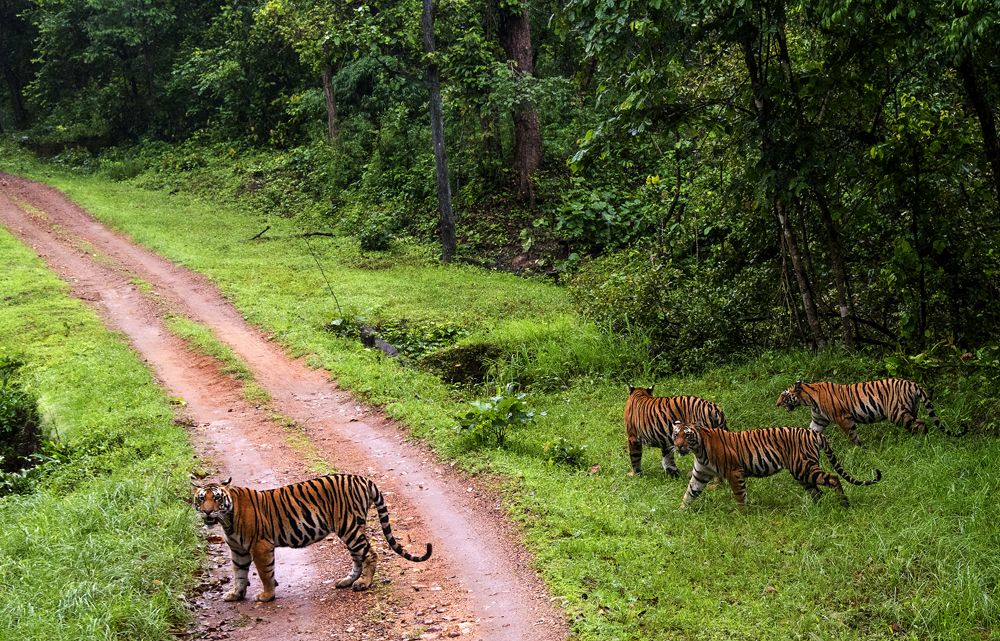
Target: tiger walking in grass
(650,420)
(894,399)
(758,453)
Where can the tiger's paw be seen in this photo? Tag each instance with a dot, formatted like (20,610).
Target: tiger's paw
(631,473)
(264,597)
(683,506)
(233,595)
(345,582)
(361,585)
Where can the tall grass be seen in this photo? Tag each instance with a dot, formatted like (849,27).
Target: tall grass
(912,557)
(103,548)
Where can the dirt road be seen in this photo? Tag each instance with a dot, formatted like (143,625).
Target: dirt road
(477,585)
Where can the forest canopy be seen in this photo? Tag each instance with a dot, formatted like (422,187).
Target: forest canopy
(711,176)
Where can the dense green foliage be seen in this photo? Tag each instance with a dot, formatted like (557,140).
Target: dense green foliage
(794,174)
(95,542)
(916,551)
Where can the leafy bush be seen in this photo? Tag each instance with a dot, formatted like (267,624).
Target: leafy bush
(565,452)
(19,419)
(689,322)
(417,339)
(119,170)
(494,420)
(375,234)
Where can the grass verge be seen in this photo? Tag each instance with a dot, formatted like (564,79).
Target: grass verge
(103,548)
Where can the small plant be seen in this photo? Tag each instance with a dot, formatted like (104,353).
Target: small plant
(565,452)
(494,419)
(375,235)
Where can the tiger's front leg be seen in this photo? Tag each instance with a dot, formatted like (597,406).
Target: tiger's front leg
(241,567)
(848,426)
(699,479)
(739,487)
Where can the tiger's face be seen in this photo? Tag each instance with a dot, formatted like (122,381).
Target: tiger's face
(212,501)
(789,399)
(687,438)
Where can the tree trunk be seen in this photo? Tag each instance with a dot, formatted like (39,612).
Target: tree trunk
(984,113)
(839,273)
(437,136)
(331,100)
(515,38)
(800,276)
(13,85)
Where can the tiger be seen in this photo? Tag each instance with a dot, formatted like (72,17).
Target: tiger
(257,521)
(894,399)
(756,454)
(649,421)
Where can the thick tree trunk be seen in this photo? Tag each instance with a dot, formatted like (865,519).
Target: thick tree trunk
(762,108)
(839,274)
(515,38)
(13,85)
(987,121)
(331,101)
(800,275)
(437,136)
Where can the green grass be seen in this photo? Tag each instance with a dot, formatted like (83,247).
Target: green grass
(104,547)
(917,550)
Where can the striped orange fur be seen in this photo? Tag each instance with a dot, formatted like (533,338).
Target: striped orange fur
(894,399)
(758,453)
(257,521)
(650,420)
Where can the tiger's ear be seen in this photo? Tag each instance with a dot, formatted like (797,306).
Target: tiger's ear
(798,385)
(630,388)
(650,389)
(227,482)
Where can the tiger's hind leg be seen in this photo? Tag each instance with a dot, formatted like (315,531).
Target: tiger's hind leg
(907,418)
(811,485)
(669,465)
(363,570)
(263,558)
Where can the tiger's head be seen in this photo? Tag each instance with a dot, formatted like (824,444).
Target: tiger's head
(791,397)
(213,501)
(646,391)
(688,438)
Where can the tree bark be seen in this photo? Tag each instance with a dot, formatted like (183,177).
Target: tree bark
(437,136)
(13,85)
(515,38)
(839,273)
(812,317)
(987,121)
(331,100)
(762,107)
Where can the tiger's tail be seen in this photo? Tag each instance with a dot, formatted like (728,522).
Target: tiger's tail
(840,470)
(930,412)
(383,519)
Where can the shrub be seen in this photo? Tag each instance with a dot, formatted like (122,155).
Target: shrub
(565,452)
(688,322)
(496,418)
